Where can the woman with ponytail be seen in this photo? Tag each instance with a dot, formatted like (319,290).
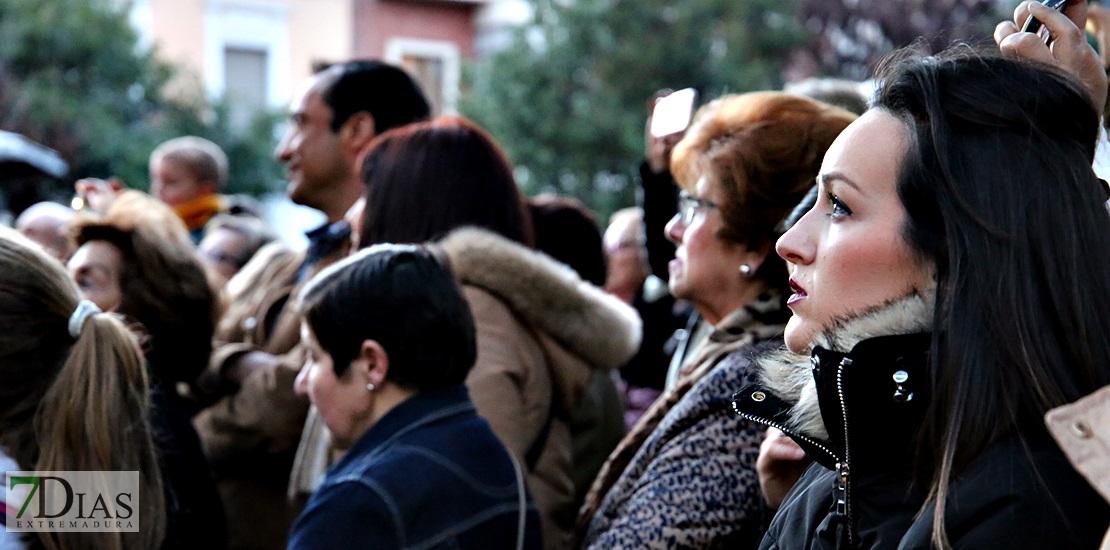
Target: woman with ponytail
(73,393)
(137,260)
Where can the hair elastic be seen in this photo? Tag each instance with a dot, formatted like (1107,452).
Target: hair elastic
(77,321)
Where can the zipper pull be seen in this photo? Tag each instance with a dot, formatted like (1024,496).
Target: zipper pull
(841,493)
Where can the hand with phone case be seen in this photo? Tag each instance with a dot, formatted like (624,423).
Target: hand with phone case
(1067,49)
(1034,25)
(670,115)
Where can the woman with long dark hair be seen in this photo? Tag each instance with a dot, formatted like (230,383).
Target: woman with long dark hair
(949,289)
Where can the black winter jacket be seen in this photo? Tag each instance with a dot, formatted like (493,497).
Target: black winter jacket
(861,493)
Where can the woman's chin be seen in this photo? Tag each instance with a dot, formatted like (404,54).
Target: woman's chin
(799,339)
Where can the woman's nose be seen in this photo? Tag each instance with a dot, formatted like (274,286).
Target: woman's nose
(675,229)
(793,246)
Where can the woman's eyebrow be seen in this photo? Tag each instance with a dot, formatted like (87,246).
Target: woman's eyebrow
(825,179)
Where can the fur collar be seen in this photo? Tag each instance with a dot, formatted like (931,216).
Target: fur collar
(789,375)
(550,296)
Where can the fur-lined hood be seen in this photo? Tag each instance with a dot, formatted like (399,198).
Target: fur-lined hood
(789,376)
(593,325)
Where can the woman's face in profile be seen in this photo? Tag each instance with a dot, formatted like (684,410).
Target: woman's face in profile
(97,267)
(343,403)
(847,255)
(705,267)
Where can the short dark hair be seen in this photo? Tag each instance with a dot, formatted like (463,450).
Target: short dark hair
(567,231)
(388,93)
(426,179)
(405,298)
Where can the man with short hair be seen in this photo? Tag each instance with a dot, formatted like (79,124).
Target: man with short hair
(251,433)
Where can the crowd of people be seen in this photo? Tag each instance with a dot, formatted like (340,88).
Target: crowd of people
(833,322)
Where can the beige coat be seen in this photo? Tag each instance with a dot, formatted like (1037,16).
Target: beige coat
(541,333)
(1083,431)
(251,432)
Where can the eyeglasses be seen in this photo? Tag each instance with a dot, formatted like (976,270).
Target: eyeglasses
(688,206)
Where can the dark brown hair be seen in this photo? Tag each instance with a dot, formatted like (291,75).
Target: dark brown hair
(404,297)
(567,231)
(425,179)
(1000,196)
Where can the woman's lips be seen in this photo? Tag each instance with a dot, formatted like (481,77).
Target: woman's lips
(799,292)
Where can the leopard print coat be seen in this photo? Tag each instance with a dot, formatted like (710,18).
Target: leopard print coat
(693,482)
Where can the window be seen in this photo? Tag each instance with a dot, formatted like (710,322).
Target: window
(434,65)
(245,83)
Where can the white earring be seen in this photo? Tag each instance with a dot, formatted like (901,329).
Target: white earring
(371,387)
(745,270)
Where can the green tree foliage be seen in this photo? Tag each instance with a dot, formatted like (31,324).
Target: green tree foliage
(72,77)
(568,98)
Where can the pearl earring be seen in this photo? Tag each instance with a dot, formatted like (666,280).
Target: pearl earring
(370,387)
(745,270)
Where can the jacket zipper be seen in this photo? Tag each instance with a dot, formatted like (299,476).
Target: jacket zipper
(784,429)
(842,493)
(843,468)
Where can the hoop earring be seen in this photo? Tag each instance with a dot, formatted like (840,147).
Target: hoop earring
(371,387)
(745,270)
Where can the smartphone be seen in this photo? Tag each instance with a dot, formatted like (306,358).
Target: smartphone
(672,113)
(1033,25)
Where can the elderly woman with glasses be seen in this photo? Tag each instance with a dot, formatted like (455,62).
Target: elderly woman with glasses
(685,475)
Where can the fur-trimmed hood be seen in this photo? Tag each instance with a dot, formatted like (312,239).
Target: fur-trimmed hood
(591,324)
(789,376)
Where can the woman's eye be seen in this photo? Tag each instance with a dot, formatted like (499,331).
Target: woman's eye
(839,209)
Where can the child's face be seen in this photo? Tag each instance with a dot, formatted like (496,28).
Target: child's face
(173,183)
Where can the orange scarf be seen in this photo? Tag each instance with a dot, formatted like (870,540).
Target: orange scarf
(197,212)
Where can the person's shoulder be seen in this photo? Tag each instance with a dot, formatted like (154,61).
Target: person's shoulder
(342,510)
(484,305)
(1026,485)
(360,488)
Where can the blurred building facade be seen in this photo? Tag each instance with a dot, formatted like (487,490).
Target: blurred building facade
(255,52)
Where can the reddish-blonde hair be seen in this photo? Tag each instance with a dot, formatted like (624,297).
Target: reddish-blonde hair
(762,150)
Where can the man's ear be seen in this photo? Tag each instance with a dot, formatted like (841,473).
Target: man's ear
(373,362)
(358,131)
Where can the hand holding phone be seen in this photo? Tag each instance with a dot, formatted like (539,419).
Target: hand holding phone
(1033,25)
(1068,48)
(672,113)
